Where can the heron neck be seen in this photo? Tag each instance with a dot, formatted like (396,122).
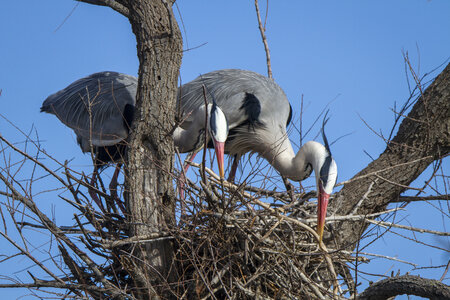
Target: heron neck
(188,139)
(294,166)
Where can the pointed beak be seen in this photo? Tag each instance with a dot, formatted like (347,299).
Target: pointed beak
(321,210)
(220,149)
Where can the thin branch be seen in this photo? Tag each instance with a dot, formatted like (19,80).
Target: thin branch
(57,232)
(108,244)
(264,39)
(398,184)
(445,197)
(388,224)
(383,170)
(335,218)
(121,9)
(56,285)
(364,197)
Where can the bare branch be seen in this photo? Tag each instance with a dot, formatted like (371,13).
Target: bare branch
(262,30)
(120,8)
(423,198)
(387,225)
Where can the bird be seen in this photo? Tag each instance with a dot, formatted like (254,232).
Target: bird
(100,109)
(257,113)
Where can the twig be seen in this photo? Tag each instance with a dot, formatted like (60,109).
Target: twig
(312,285)
(445,271)
(335,218)
(389,257)
(364,197)
(58,233)
(264,39)
(415,198)
(56,285)
(398,184)
(31,257)
(205,141)
(383,170)
(108,244)
(387,224)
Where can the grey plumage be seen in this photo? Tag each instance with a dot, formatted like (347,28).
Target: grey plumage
(98,107)
(95,106)
(256,108)
(251,102)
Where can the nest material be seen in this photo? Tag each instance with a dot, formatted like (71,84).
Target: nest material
(232,243)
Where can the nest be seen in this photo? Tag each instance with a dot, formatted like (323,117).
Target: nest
(229,241)
(233,243)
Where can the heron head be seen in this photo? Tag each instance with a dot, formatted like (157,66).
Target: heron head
(218,130)
(325,184)
(326,180)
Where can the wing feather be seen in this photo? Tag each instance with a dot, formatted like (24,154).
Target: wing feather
(93,106)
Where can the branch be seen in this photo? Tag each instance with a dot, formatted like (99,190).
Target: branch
(56,285)
(336,218)
(387,225)
(421,139)
(120,8)
(407,284)
(59,234)
(262,30)
(415,199)
(108,244)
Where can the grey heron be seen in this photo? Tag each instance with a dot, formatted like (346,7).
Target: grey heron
(100,107)
(258,112)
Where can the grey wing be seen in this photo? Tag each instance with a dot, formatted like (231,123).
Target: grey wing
(230,88)
(94,106)
(226,88)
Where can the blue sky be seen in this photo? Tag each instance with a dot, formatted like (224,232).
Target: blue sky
(348,53)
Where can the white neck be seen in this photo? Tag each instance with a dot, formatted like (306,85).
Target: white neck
(294,167)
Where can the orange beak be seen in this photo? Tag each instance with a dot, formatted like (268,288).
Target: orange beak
(321,210)
(220,149)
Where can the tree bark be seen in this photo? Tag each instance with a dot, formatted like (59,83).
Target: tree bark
(422,138)
(150,195)
(409,285)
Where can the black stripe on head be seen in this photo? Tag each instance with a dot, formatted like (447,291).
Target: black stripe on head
(252,108)
(290,115)
(325,170)
(212,118)
(325,141)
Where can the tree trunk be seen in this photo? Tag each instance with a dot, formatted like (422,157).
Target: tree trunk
(150,195)
(422,138)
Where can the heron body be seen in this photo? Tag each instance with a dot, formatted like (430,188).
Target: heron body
(251,103)
(99,108)
(258,112)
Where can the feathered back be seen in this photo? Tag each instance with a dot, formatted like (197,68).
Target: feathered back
(94,106)
(230,87)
